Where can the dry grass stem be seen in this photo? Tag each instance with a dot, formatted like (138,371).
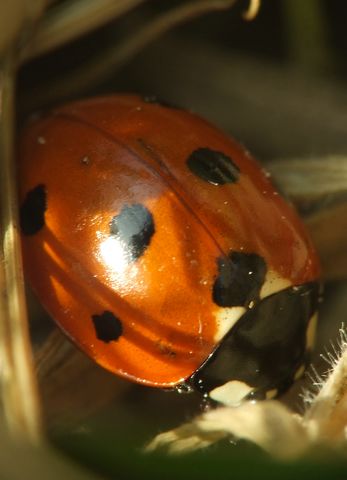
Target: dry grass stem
(318,188)
(15,18)
(21,406)
(114,56)
(253,9)
(313,179)
(72,19)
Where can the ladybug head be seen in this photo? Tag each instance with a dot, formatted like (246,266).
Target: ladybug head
(265,352)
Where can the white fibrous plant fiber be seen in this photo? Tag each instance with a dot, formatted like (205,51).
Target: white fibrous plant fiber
(269,423)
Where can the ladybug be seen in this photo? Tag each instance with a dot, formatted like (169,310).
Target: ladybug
(161,248)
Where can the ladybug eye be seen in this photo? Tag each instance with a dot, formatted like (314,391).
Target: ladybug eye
(213,166)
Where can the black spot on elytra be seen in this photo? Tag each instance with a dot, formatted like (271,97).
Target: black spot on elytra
(213,166)
(266,346)
(133,228)
(154,99)
(32,211)
(108,327)
(240,278)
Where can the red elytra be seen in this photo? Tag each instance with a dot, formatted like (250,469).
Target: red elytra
(88,169)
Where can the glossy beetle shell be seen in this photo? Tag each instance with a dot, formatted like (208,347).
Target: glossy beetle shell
(131,213)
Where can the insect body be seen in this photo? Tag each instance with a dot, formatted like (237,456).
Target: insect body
(163,251)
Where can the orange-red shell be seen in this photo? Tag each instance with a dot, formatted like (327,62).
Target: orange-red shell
(96,156)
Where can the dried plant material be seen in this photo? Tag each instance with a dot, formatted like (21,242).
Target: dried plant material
(21,407)
(308,180)
(326,416)
(318,187)
(244,90)
(72,19)
(253,9)
(67,398)
(328,229)
(270,424)
(15,17)
(75,18)
(113,57)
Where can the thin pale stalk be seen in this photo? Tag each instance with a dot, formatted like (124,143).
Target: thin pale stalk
(113,57)
(253,9)
(20,401)
(71,20)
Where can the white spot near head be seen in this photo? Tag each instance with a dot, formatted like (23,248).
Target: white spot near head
(226,319)
(311,331)
(273,283)
(231,393)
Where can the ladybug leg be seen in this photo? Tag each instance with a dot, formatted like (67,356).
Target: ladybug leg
(265,351)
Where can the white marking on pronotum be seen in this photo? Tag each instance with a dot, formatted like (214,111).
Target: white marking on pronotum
(231,393)
(273,283)
(226,318)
